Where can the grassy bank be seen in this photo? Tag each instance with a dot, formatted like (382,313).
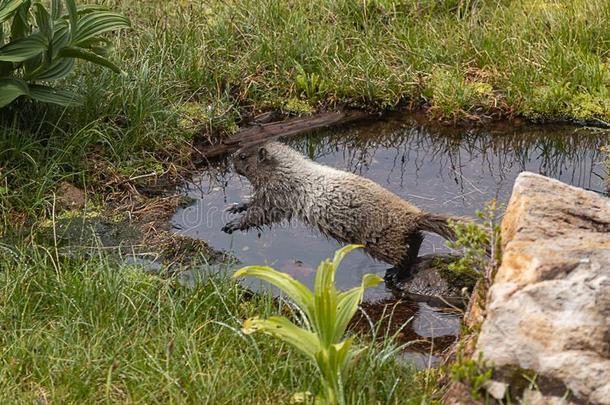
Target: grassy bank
(198,69)
(85,330)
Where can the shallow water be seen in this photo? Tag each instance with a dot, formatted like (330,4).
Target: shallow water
(443,170)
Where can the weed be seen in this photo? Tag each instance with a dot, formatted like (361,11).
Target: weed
(327,313)
(472,373)
(311,85)
(452,96)
(480,244)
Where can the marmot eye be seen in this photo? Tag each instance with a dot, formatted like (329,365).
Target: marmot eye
(242,156)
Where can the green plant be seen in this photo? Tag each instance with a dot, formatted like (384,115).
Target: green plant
(46,48)
(481,244)
(327,312)
(310,84)
(472,373)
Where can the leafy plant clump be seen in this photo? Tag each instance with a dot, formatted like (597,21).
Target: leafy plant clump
(481,245)
(473,373)
(327,313)
(43,45)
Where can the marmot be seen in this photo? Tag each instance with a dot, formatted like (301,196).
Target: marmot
(341,205)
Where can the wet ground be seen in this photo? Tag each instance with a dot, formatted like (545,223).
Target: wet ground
(444,170)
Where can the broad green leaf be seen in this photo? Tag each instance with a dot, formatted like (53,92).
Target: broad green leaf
(8,8)
(10,89)
(56,9)
(96,23)
(20,28)
(47,94)
(82,9)
(282,328)
(325,277)
(341,354)
(371,280)
(347,305)
(300,294)
(75,52)
(23,49)
(61,36)
(325,303)
(348,301)
(72,17)
(32,64)
(43,20)
(340,254)
(58,69)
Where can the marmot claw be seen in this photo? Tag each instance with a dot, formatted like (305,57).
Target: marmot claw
(231,226)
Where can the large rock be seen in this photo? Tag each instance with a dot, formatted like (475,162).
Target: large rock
(548,310)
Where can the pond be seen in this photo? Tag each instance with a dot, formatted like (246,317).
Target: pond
(439,169)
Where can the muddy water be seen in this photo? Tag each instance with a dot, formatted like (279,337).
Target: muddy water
(439,169)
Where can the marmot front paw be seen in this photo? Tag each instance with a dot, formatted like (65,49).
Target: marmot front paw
(231,226)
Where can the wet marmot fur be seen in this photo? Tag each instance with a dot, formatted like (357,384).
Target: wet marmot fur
(341,205)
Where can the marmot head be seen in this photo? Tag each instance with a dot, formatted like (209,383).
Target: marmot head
(263,161)
(252,160)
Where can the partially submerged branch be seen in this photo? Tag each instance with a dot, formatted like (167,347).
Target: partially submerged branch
(290,127)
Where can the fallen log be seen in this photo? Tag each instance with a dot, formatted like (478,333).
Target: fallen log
(282,129)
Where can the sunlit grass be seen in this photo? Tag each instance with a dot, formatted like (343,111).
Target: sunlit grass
(88,329)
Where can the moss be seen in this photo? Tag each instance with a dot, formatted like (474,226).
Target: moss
(206,116)
(457,275)
(296,105)
(585,106)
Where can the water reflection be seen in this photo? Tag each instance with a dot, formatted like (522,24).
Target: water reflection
(438,169)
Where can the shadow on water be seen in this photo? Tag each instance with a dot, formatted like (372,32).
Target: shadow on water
(438,169)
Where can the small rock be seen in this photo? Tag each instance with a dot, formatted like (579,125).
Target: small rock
(496,389)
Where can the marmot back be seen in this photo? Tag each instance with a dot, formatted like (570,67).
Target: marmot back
(341,205)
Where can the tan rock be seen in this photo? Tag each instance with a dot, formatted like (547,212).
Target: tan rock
(549,307)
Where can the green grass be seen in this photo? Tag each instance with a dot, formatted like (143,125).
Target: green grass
(85,330)
(197,69)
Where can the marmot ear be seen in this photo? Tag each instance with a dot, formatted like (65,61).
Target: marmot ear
(262,154)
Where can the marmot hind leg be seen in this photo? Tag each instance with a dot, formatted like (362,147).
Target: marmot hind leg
(402,270)
(414,240)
